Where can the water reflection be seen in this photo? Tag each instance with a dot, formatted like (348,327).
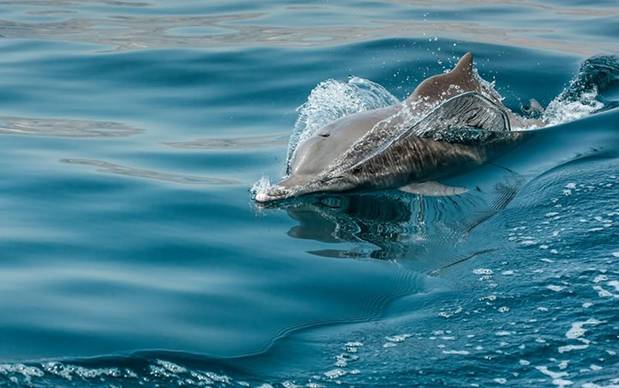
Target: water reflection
(385,225)
(112,168)
(234,143)
(156,24)
(64,127)
(425,232)
(383,220)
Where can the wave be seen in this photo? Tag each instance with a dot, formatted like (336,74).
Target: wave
(582,95)
(140,369)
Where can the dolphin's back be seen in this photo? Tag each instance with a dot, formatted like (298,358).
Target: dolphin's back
(459,133)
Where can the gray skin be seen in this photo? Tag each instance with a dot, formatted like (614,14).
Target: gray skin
(347,154)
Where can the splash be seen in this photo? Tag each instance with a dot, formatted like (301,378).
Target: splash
(581,97)
(261,187)
(569,107)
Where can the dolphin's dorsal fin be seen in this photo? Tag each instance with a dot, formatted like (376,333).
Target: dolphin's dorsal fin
(441,87)
(464,67)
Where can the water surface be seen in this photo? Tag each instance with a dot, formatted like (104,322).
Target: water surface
(131,252)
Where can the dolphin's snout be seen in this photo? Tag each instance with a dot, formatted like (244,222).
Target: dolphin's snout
(262,197)
(273,193)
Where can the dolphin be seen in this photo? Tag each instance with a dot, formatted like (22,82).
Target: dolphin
(449,122)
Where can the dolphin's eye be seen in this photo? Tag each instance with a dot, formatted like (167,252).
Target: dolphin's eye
(324,134)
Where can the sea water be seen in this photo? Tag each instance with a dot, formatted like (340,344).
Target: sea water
(131,253)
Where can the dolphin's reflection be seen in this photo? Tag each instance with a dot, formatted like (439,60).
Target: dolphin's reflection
(381,220)
(384,225)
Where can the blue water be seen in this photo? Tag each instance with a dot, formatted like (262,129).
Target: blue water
(132,254)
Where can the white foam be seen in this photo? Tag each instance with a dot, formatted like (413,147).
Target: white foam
(398,338)
(555,288)
(335,373)
(577,332)
(578,328)
(603,293)
(24,370)
(600,278)
(172,367)
(458,352)
(569,348)
(555,376)
(561,110)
